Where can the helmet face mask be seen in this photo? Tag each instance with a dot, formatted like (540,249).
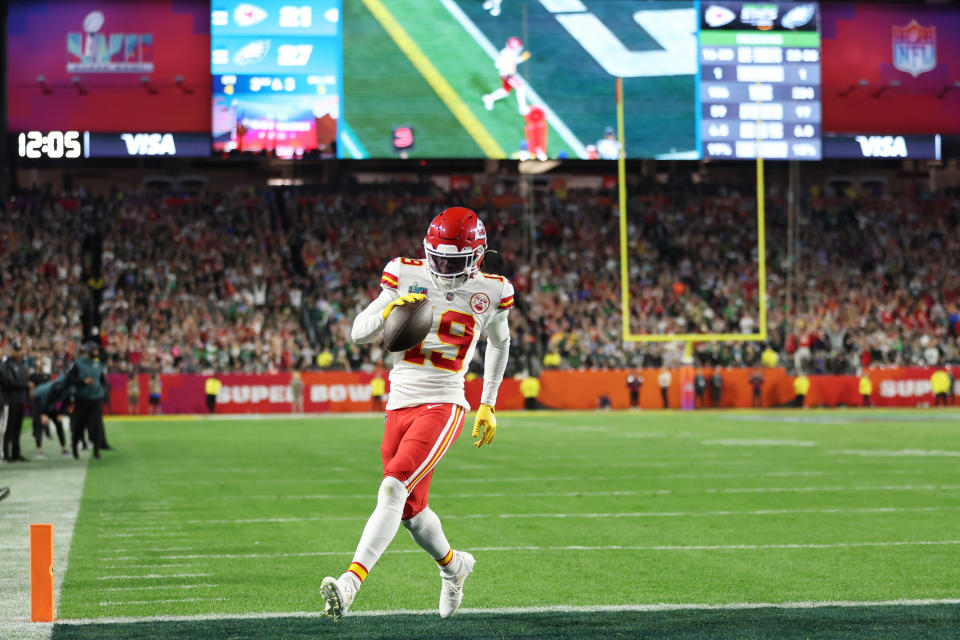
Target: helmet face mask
(454,246)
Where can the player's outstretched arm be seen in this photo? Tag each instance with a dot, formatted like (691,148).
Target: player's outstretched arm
(368,325)
(494,365)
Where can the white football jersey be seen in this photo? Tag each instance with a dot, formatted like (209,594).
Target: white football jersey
(434,371)
(507,62)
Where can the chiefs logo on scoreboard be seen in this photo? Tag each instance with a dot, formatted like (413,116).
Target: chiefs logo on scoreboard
(914,48)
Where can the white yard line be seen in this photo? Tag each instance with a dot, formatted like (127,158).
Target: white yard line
(627,514)
(579,548)
(125,602)
(653,607)
(155,587)
(156,576)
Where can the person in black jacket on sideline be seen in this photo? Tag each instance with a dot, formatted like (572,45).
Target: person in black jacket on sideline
(16,388)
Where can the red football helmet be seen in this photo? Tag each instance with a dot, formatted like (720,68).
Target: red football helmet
(455,244)
(513,42)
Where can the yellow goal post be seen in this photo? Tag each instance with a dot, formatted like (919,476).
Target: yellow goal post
(689,338)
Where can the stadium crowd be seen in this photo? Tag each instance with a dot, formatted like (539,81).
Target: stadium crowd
(271,280)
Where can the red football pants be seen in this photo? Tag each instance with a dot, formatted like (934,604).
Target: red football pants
(414,441)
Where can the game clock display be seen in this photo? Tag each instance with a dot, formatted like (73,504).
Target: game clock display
(53,145)
(760,80)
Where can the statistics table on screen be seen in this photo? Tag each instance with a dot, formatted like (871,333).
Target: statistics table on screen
(760,81)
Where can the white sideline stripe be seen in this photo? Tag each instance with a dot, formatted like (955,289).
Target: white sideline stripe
(628,514)
(883,487)
(147,550)
(491,51)
(122,602)
(156,576)
(901,453)
(141,536)
(577,494)
(740,442)
(47,492)
(728,547)
(159,565)
(153,587)
(617,608)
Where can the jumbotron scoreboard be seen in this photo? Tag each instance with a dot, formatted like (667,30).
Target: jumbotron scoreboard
(760,80)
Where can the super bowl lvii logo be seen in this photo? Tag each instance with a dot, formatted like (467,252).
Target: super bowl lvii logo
(914,48)
(95,52)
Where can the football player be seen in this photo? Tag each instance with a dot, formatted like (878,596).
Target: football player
(508,59)
(493,6)
(427,405)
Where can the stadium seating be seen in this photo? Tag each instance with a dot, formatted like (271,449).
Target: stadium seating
(268,280)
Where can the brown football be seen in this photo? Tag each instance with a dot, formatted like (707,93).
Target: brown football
(407,325)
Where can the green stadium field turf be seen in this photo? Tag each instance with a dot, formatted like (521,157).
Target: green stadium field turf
(789,524)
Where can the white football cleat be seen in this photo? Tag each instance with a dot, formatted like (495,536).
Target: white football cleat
(451,586)
(488,5)
(338,595)
(488,102)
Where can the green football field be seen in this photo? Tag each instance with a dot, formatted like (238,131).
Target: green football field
(806,524)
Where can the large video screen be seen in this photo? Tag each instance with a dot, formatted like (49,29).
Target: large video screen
(891,68)
(521,78)
(110,65)
(276,76)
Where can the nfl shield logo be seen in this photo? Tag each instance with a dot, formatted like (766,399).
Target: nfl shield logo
(914,48)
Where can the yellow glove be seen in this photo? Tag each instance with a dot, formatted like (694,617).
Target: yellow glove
(402,300)
(485,425)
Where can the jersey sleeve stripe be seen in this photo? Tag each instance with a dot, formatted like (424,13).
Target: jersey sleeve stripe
(389,280)
(506,303)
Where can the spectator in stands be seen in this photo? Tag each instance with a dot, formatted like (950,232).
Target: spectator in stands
(263,281)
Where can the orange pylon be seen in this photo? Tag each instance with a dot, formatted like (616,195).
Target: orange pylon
(41,572)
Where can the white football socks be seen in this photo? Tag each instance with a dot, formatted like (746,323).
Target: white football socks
(426,531)
(380,528)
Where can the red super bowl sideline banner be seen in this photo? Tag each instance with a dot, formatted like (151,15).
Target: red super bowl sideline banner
(335,392)
(338,392)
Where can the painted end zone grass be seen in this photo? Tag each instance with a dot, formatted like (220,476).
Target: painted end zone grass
(934,622)
(237,517)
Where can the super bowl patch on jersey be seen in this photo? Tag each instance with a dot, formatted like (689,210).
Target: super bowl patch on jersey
(480,302)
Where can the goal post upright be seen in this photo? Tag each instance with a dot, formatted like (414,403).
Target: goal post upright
(688,338)
(622,192)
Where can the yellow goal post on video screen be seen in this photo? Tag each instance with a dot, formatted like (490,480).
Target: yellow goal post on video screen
(689,338)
